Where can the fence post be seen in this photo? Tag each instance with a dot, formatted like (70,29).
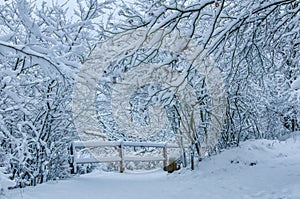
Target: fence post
(184,161)
(165,162)
(192,159)
(73,161)
(121,154)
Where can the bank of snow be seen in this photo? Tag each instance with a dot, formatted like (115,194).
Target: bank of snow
(256,169)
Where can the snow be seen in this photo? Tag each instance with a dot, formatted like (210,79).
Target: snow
(4,182)
(255,169)
(296,84)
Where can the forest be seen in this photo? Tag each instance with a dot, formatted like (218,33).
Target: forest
(57,60)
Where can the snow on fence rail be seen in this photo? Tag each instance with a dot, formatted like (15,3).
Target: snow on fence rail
(121,158)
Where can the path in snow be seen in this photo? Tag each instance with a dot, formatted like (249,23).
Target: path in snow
(275,173)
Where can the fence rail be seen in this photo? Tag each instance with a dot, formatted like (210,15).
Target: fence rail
(121,158)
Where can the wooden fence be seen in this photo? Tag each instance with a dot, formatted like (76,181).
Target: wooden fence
(121,158)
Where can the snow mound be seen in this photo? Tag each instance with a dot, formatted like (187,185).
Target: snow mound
(296,84)
(4,183)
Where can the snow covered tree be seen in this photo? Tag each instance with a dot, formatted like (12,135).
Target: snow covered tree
(255,43)
(40,49)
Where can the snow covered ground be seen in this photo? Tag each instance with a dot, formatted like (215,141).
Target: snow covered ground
(256,169)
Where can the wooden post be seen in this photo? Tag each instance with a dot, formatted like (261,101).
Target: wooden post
(192,160)
(73,161)
(184,162)
(165,162)
(121,157)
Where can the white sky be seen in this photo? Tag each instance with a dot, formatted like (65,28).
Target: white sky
(71,4)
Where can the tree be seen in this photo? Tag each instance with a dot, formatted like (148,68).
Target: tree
(40,49)
(255,44)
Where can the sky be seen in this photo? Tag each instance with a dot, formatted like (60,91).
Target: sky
(71,4)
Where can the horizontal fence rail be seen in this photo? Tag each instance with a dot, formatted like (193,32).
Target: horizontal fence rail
(121,158)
